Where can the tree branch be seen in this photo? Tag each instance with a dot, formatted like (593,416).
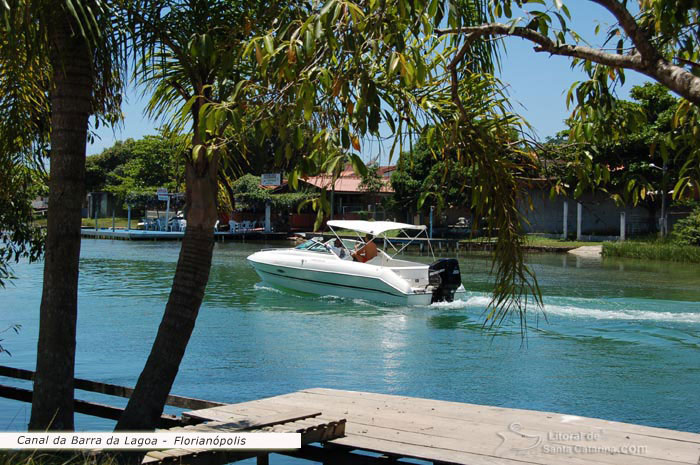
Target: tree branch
(637,35)
(545,44)
(652,64)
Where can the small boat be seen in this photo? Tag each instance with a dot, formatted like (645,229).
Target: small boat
(331,267)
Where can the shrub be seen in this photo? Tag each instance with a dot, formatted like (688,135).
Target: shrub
(687,230)
(653,251)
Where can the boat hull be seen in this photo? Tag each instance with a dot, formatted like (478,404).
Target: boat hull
(371,283)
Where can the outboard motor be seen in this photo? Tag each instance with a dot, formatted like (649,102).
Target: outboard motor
(445,277)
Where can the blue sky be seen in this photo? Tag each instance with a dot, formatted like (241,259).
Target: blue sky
(537,84)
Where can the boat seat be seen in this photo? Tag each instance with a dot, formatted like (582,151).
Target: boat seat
(377,261)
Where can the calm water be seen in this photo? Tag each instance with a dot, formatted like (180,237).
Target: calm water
(621,340)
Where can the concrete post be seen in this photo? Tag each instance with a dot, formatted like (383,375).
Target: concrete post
(268,225)
(622,226)
(432,208)
(579,218)
(566,220)
(96,219)
(332,207)
(113,217)
(167,214)
(128,217)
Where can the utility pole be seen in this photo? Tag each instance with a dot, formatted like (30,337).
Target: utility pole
(663,226)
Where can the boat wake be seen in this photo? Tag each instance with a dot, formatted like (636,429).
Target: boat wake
(455,304)
(600,313)
(597,309)
(263,287)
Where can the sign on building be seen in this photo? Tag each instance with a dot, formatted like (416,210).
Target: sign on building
(271,179)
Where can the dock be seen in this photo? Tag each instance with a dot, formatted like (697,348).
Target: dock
(364,428)
(380,428)
(144,235)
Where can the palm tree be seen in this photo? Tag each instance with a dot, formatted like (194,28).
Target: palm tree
(83,80)
(194,65)
(190,62)
(24,115)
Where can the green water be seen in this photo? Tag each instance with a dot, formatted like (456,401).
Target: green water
(621,339)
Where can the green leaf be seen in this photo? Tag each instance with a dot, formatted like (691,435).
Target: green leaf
(358,165)
(188,106)
(269,44)
(309,42)
(422,198)
(294,179)
(298,137)
(308,107)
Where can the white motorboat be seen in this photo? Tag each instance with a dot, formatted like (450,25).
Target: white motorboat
(327,267)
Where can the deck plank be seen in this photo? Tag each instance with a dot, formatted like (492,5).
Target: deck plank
(474,429)
(454,433)
(306,422)
(421,422)
(485,413)
(243,422)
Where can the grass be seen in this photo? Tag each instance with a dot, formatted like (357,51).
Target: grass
(119,222)
(43,458)
(533,240)
(653,250)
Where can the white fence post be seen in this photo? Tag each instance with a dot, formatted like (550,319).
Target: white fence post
(579,218)
(622,226)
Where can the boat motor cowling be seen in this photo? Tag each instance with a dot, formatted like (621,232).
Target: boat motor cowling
(446,278)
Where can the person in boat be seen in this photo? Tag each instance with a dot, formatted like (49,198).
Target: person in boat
(367,252)
(338,249)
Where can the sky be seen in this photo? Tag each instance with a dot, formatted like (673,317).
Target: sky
(537,85)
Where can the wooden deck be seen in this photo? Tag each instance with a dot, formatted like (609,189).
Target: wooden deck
(141,235)
(455,433)
(310,424)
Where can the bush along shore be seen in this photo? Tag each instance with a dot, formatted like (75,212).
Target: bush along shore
(659,250)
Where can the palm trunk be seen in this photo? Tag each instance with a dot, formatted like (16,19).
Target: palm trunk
(71,105)
(191,276)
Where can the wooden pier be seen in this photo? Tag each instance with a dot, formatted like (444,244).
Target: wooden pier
(142,235)
(395,427)
(362,428)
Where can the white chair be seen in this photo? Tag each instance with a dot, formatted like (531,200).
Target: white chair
(234,226)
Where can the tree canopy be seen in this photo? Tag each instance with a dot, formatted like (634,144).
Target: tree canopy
(423,177)
(137,166)
(19,237)
(247,190)
(657,38)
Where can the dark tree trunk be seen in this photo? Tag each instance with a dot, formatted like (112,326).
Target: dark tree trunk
(191,276)
(71,105)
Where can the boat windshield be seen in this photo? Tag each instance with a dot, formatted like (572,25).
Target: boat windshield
(342,250)
(307,245)
(314,245)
